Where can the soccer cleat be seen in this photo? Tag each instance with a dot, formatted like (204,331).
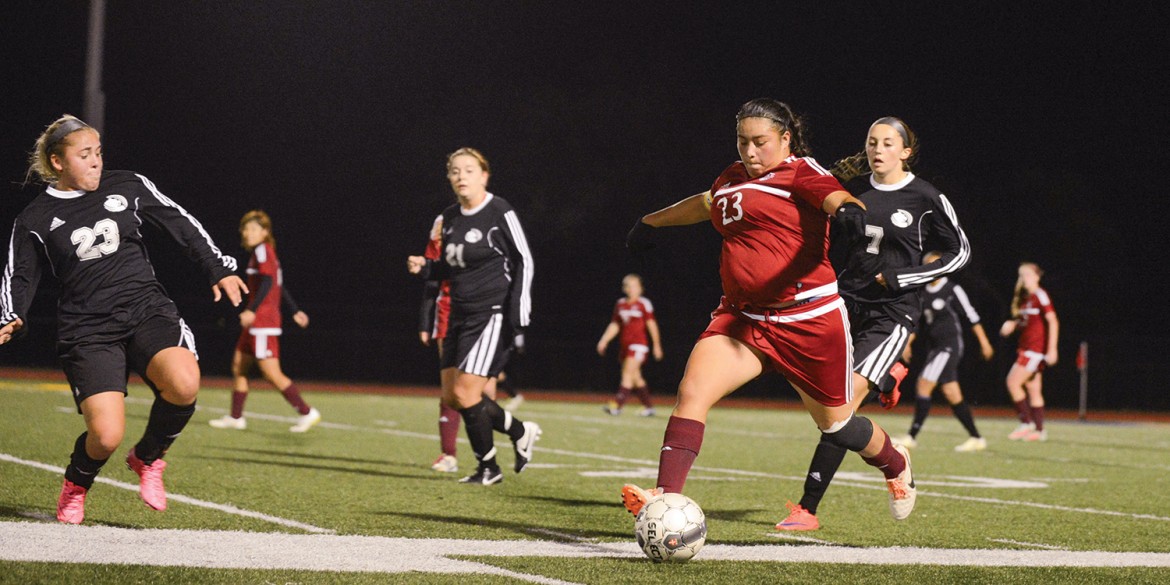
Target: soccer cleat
(647,412)
(1036,436)
(972,444)
(514,403)
(306,421)
(798,519)
(523,446)
(634,497)
(907,441)
(902,492)
(71,503)
(1022,431)
(446,464)
(227,422)
(150,481)
(611,408)
(484,476)
(890,399)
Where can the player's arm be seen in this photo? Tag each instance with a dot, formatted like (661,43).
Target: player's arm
(947,238)
(520,293)
(427,310)
(1053,336)
(1008,327)
(985,347)
(289,304)
(611,331)
(908,353)
(972,317)
(20,280)
(655,339)
(689,211)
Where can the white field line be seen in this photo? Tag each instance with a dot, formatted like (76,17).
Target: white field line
(51,542)
(173,497)
(1028,544)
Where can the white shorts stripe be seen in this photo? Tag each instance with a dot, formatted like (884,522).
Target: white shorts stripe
(878,363)
(934,368)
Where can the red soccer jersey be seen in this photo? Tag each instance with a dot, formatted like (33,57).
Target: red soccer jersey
(443,301)
(775,234)
(264,263)
(1034,322)
(632,317)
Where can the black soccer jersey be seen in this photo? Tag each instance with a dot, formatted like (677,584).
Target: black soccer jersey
(903,222)
(945,307)
(485,256)
(91,242)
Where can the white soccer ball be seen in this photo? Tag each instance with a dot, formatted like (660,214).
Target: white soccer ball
(670,527)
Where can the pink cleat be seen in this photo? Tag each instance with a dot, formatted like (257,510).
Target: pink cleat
(71,503)
(798,519)
(150,485)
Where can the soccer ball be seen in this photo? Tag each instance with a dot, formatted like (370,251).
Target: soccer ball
(670,527)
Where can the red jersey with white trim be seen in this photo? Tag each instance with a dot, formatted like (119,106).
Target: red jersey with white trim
(1034,321)
(632,317)
(434,251)
(264,263)
(775,234)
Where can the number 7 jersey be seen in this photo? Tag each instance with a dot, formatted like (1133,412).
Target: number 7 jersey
(91,241)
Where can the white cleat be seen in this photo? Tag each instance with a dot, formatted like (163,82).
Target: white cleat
(227,422)
(901,488)
(306,421)
(971,445)
(446,464)
(1022,431)
(905,440)
(524,445)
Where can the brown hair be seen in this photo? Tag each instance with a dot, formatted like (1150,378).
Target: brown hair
(473,153)
(263,221)
(53,142)
(909,138)
(1019,294)
(782,117)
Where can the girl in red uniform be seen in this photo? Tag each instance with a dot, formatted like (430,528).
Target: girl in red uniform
(1033,315)
(633,318)
(259,342)
(780,309)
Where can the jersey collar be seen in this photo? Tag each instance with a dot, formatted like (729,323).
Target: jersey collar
(474,210)
(59,194)
(899,185)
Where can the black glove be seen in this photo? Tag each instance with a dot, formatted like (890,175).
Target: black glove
(850,219)
(641,238)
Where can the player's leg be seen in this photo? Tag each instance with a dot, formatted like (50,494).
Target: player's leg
(242,363)
(1017,377)
(625,384)
(632,370)
(1036,404)
(936,363)
(270,369)
(954,396)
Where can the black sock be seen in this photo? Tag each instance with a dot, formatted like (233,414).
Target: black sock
(826,460)
(921,410)
(83,469)
(166,422)
(963,413)
(478,423)
(503,421)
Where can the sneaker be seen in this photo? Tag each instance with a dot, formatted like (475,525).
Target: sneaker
(890,399)
(647,412)
(524,445)
(150,481)
(972,444)
(228,422)
(446,464)
(906,441)
(611,408)
(798,519)
(1022,431)
(1036,436)
(902,492)
(634,497)
(484,476)
(306,421)
(71,503)
(514,403)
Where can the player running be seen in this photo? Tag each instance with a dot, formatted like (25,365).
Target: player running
(1034,316)
(113,315)
(633,318)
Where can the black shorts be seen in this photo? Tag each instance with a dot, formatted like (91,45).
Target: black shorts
(479,343)
(93,368)
(880,332)
(942,364)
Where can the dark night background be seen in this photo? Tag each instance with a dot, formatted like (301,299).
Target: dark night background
(1045,126)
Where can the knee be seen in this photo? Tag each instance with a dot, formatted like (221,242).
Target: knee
(104,440)
(854,435)
(183,386)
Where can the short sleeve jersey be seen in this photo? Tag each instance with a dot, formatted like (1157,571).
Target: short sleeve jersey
(264,263)
(775,234)
(1034,321)
(945,307)
(631,317)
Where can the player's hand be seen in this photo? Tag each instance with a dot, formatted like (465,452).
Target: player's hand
(1008,328)
(601,349)
(300,318)
(415,264)
(641,238)
(247,318)
(425,338)
(658,355)
(850,219)
(233,287)
(988,352)
(9,329)
(1050,358)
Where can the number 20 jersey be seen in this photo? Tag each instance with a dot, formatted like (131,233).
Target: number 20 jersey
(91,242)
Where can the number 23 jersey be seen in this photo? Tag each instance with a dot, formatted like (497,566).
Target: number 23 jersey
(91,242)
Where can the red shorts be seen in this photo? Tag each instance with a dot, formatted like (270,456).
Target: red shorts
(808,344)
(1033,361)
(261,343)
(634,350)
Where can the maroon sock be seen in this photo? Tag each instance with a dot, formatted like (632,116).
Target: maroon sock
(449,420)
(238,399)
(293,396)
(1038,417)
(680,447)
(623,394)
(1024,412)
(888,460)
(644,395)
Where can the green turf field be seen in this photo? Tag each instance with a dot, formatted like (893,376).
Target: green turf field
(354,501)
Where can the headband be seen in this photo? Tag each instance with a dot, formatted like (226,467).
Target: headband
(66,128)
(896,124)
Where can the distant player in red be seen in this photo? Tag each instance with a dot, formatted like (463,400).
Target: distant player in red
(433,319)
(1034,316)
(780,309)
(259,342)
(633,318)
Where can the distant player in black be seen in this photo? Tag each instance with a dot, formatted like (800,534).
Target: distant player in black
(485,257)
(113,315)
(881,277)
(945,307)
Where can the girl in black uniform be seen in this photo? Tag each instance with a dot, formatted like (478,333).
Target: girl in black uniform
(881,277)
(485,256)
(113,315)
